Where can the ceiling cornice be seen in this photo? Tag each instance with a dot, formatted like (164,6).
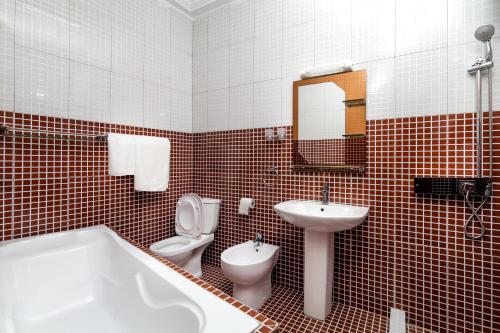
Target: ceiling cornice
(197,7)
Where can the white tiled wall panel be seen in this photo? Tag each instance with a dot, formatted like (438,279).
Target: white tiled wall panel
(200,106)
(90,32)
(218,110)
(128,38)
(41,83)
(7,12)
(89,93)
(241,107)
(267,103)
(218,68)
(420,25)
(332,38)
(415,53)
(43,25)
(157,107)
(181,116)
(421,83)
(127,100)
(110,61)
(242,21)
(373,28)
(241,63)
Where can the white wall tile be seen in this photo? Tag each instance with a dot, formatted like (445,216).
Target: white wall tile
(420,25)
(330,8)
(200,110)
(41,83)
(157,108)
(7,12)
(372,30)
(286,102)
(380,89)
(421,84)
(297,12)
(181,71)
(268,16)
(332,38)
(182,32)
(267,56)
(218,110)
(89,93)
(128,38)
(218,28)
(43,25)
(267,103)
(464,16)
(241,21)
(200,73)
(90,32)
(218,69)
(298,50)
(241,107)
(200,36)
(157,44)
(241,63)
(181,114)
(126,100)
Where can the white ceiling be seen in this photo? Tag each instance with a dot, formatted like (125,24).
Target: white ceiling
(197,7)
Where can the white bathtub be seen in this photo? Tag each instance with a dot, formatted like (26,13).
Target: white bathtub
(91,280)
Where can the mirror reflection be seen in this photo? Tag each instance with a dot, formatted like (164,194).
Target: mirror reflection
(330,122)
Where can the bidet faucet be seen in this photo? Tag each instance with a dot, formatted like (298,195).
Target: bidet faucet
(259,239)
(326,194)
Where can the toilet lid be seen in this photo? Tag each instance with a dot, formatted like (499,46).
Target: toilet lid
(188,216)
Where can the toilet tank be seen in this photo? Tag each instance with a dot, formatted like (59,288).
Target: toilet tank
(210,215)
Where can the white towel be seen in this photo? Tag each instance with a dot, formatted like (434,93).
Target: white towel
(121,154)
(152,164)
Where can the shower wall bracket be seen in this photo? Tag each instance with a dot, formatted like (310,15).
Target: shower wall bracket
(453,186)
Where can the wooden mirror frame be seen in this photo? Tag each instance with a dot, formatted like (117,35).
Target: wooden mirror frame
(354,86)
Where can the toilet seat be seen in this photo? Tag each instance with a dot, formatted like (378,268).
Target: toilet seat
(188,216)
(179,244)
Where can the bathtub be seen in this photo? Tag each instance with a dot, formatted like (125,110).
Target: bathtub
(91,280)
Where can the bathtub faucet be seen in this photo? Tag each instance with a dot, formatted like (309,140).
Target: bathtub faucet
(259,239)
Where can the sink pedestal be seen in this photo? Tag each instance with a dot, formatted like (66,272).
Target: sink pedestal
(318,273)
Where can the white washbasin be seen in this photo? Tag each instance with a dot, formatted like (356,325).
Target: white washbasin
(313,215)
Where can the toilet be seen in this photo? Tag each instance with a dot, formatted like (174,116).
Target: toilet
(249,268)
(195,222)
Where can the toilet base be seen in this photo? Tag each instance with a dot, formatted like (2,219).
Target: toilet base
(193,265)
(254,295)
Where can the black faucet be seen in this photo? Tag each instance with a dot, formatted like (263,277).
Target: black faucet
(259,239)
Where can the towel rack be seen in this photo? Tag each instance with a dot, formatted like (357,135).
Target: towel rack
(8,131)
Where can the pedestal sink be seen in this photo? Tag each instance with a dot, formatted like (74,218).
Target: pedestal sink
(319,221)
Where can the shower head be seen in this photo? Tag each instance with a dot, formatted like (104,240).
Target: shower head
(484,32)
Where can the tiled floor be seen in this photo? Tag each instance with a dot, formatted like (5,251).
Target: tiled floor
(285,307)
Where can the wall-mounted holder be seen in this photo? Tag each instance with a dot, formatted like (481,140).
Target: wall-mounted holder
(481,187)
(453,186)
(280,134)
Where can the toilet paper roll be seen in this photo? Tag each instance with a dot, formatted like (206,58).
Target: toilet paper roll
(245,205)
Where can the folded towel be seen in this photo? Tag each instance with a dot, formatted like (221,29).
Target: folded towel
(121,154)
(152,164)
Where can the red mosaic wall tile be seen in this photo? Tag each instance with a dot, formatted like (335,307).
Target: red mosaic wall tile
(349,151)
(52,185)
(410,253)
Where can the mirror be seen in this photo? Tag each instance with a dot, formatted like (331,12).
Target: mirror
(329,122)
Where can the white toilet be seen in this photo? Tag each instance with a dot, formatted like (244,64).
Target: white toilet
(195,222)
(249,267)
